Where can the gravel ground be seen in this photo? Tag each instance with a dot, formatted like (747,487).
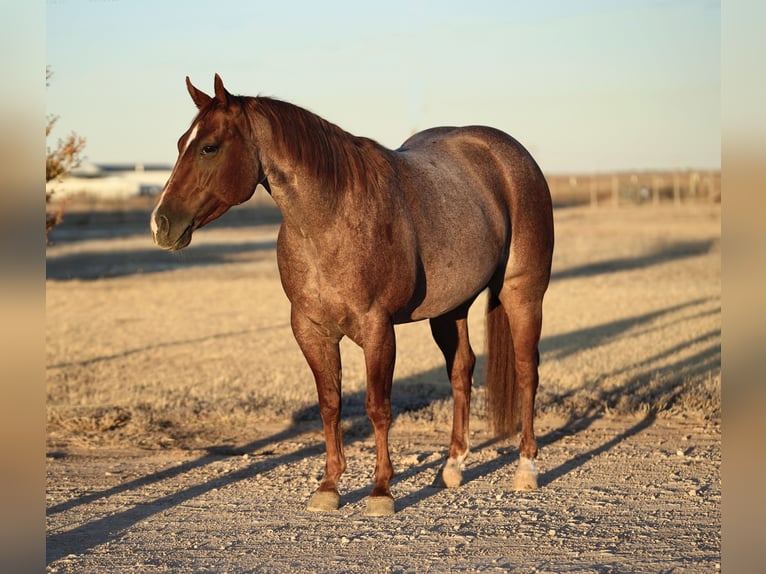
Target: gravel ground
(619,494)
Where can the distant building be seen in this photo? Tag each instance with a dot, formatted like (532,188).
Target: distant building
(112,181)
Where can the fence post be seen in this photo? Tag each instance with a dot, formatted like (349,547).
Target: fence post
(593,191)
(615,191)
(694,178)
(677,188)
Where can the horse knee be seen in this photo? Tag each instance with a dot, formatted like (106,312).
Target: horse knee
(379,415)
(330,413)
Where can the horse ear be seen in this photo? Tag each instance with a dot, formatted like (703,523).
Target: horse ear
(200,98)
(220,92)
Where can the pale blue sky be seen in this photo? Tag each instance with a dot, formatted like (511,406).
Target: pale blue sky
(586,85)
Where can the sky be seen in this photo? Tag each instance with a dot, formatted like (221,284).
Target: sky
(585,85)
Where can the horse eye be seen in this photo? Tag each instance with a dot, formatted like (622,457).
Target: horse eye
(209,149)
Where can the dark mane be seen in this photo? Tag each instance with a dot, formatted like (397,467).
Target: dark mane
(342,162)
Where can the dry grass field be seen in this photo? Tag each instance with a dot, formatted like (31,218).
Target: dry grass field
(185,361)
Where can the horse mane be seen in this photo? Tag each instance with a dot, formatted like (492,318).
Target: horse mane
(341,162)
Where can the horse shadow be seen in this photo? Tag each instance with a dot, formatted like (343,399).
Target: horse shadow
(662,254)
(703,363)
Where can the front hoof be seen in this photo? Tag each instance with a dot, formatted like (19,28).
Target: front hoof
(379,506)
(452,476)
(324,501)
(526,475)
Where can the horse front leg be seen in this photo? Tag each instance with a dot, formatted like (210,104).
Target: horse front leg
(380,355)
(322,353)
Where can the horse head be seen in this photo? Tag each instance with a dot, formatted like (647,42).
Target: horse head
(217,168)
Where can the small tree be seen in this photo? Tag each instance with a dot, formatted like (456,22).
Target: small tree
(59,162)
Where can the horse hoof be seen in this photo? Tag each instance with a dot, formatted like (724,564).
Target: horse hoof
(324,501)
(379,506)
(526,475)
(451,475)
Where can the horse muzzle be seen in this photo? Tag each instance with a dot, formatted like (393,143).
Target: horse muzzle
(166,235)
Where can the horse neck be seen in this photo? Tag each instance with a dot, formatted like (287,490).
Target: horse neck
(313,166)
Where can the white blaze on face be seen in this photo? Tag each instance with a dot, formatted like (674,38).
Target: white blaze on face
(189,141)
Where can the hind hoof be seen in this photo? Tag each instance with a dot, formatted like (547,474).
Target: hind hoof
(324,501)
(526,475)
(452,477)
(379,506)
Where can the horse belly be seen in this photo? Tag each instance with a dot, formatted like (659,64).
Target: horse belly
(459,219)
(451,283)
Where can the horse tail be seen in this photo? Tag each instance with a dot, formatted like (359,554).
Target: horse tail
(500,381)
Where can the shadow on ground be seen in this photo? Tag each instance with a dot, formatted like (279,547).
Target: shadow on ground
(121,260)
(84,225)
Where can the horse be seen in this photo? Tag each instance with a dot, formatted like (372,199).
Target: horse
(372,237)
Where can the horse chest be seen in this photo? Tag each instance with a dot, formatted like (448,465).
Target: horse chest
(334,282)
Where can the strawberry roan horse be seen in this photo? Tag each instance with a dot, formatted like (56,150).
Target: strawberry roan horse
(373,237)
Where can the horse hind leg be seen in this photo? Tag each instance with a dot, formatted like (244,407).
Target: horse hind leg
(523,306)
(451,335)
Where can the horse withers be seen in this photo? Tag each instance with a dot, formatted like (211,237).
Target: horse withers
(372,237)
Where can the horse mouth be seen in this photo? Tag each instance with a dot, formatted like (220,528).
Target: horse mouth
(184,239)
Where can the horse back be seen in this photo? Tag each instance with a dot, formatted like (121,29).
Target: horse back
(498,161)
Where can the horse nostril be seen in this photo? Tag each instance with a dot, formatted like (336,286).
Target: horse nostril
(163,225)
(160,226)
